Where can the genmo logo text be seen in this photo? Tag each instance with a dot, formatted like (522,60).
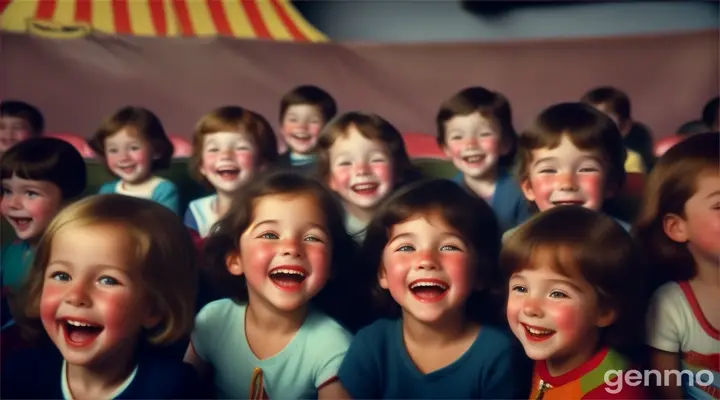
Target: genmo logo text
(615,380)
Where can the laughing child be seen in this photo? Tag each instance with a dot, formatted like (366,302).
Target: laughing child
(432,252)
(18,121)
(303,112)
(114,278)
(362,157)
(679,226)
(39,176)
(475,131)
(133,144)
(575,290)
(272,254)
(230,145)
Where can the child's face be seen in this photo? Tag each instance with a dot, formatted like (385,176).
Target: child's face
(565,175)
(228,160)
(93,306)
(29,205)
(12,130)
(556,318)
(701,225)
(361,170)
(427,268)
(300,127)
(129,156)
(285,252)
(474,144)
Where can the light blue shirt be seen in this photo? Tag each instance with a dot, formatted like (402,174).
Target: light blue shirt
(200,215)
(165,193)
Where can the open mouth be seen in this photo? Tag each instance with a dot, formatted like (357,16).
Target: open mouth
(288,278)
(302,137)
(365,189)
(537,334)
(21,223)
(228,173)
(568,203)
(80,333)
(475,159)
(128,169)
(429,290)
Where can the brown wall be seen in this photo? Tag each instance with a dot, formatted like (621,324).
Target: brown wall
(76,83)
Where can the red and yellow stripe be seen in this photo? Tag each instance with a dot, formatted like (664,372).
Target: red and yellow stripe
(248,19)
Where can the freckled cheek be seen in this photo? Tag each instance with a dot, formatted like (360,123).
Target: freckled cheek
(592,185)
(258,256)
(49,302)
(314,129)
(462,278)
(567,319)
(456,148)
(41,209)
(209,160)
(396,270)
(289,127)
(383,172)
(114,158)
(340,177)
(514,306)
(318,257)
(141,157)
(490,145)
(245,159)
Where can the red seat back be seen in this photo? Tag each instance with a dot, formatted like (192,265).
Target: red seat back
(183,147)
(422,145)
(662,145)
(77,141)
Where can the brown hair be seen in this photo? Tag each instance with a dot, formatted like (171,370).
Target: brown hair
(165,255)
(587,128)
(25,111)
(46,159)
(614,100)
(671,183)
(225,235)
(594,247)
(372,127)
(489,104)
(233,119)
(472,217)
(309,95)
(145,124)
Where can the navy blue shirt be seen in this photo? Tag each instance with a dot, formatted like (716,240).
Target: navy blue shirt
(378,366)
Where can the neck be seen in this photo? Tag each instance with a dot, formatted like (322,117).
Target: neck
(443,332)
(222,203)
(137,185)
(483,186)
(104,378)
(561,365)
(708,271)
(363,215)
(268,318)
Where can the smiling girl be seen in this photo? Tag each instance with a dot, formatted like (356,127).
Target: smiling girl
(114,276)
(133,144)
(575,296)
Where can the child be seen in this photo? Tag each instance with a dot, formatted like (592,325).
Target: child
(39,176)
(475,131)
(575,289)
(636,138)
(303,112)
(711,114)
(679,227)
(431,248)
(572,154)
(133,144)
(18,121)
(273,252)
(362,158)
(230,145)
(113,278)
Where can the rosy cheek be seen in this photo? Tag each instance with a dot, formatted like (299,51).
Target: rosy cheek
(288,127)
(490,145)
(113,158)
(340,177)
(396,266)
(319,258)
(315,129)
(246,159)
(456,266)
(141,156)
(49,302)
(514,305)
(383,172)
(456,148)
(542,186)
(259,254)
(566,318)
(209,160)
(41,209)
(592,185)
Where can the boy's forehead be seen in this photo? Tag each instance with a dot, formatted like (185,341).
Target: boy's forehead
(303,109)
(13,120)
(563,150)
(19,182)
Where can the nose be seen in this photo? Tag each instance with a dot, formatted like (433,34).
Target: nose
(532,307)
(226,153)
(13,201)
(362,168)
(290,248)
(566,181)
(78,294)
(426,261)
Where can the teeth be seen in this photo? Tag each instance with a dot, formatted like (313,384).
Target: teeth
(365,186)
(82,324)
(428,284)
(301,135)
(538,331)
(287,271)
(473,159)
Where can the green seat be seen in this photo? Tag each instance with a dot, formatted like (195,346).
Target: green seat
(435,167)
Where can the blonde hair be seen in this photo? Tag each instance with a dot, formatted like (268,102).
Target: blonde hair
(164,252)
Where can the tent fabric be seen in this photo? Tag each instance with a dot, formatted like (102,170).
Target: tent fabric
(244,19)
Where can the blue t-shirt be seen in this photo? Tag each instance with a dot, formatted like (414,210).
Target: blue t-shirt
(378,366)
(15,262)
(165,193)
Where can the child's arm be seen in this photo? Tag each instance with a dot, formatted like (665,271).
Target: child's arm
(664,327)
(108,187)
(358,372)
(201,366)
(190,221)
(665,361)
(166,193)
(333,390)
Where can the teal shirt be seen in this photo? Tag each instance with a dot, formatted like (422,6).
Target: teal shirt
(165,193)
(15,263)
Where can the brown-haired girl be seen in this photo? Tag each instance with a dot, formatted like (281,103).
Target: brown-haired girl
(114,277)
(362,158)
(679,226)
(273,253)
(230,145)
(133,144)
(575,292)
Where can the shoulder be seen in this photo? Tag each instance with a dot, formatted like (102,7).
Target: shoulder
(164,186)
(325,331)
(667,295)
(31,373)
(109,187)
(218,311)
(494,342)
(162,378)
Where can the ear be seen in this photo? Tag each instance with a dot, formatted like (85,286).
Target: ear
(382,278)
(527,189)
(606,318)
(234,264)
(675,228)
(153,316)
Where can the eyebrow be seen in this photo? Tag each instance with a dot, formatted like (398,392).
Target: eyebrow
(715,193)
(567,282)
(544,159)
(100,266)
(275,222)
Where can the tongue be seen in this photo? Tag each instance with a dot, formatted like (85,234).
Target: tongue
(428,292)
(83,335)
(287,279)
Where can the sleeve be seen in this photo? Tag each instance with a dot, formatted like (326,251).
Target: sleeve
(107,188)
(359,371)
(190,221)
(508,375)
(335,347)
(664,319)
(166,193)
(203,335)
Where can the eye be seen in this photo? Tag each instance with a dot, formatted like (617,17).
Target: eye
(589,169)
(31,194)
(450,247)
(6,191)
(546,171)
(60,276)
(112,151)
(556,294)
(212,150)
(135,148)
(344,163)
(269,235)
(716,206)
(313,238)
(405,247)
(108,280)
(519,289)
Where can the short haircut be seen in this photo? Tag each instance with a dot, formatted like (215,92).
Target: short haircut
(614,100)
(165,255)
(26,111)
(710,113)
(372,127)
(309,95)
(47,159)
(471,216)
(592,246)
(224,238)
(587,128)
(692,128)
(239,120)
(491,105)
(145,124)
(671,183)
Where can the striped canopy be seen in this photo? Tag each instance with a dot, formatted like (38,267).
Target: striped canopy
(246,19)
